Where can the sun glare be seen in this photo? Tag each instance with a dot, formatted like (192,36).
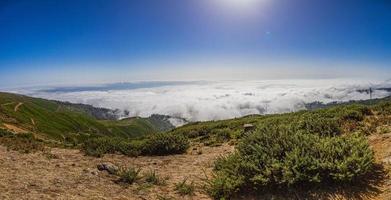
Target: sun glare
(240,4)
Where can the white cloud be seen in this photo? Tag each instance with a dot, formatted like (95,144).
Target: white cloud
(222,99)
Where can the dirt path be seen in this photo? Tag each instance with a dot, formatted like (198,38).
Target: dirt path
(14,128)
(74,176)
(17,106)
(381,145)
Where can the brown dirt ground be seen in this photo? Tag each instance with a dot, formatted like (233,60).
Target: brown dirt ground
(71,175)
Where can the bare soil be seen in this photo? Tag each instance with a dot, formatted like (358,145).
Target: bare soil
(14,129)
(69,174)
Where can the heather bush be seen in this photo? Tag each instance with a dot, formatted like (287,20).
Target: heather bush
(165,144)
(278,157)
(159,144)
(99,146)
(384,108)
(315,123)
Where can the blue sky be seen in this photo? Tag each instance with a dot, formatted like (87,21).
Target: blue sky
(92,41)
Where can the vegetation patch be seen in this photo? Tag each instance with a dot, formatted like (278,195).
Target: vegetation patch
(128,175)
(165,144)
(24,143)
(153,178)
(103,145)
(183,188)
(4,133)
(279,157)
(159,144)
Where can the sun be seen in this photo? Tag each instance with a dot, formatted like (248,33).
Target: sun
(240,4)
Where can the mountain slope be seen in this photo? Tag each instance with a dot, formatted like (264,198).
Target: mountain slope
(57,120)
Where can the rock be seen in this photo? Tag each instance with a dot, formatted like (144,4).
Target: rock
(90,171)
(94,173)
(386,136)
(109,167)
(387,161)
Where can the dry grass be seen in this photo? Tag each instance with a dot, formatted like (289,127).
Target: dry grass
(71,175)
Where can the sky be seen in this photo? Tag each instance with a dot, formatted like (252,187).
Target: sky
(51,42)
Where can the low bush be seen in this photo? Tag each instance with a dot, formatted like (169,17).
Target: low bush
(384,108)
(159,144)
(315,123)
(4,133)
(165,144)
(99,146)
(274,157)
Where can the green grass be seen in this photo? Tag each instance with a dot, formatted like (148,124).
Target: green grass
(128,175)
(152,177)
(184,188)
(53,120)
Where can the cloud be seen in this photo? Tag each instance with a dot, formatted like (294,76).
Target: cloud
(200,101)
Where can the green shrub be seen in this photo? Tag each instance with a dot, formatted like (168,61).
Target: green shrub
(165,144)
(223,185)
(103,145)
(315,123)
(384,108)
(159,144)
(4,133)
(352,115)
(183,188)
(274,157)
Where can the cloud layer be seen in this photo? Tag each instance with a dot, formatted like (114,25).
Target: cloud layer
(201,101)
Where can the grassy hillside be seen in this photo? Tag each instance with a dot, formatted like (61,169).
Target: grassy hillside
(57,120)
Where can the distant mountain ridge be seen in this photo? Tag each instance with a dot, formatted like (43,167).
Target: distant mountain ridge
(320,105)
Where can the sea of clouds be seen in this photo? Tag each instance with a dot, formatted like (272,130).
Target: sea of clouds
(200,101)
